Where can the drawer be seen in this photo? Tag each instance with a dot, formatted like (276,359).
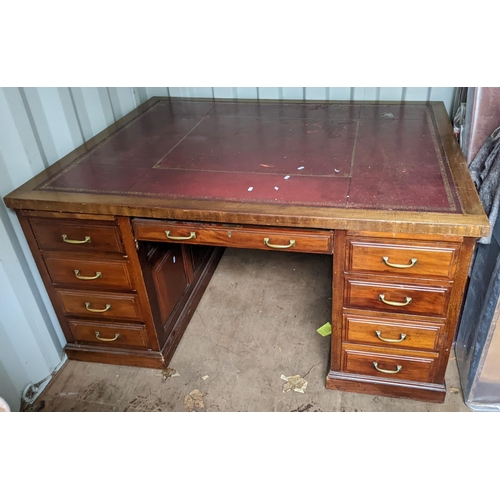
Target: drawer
(109,334)
(77,235)
(95,274)
(291,240)
(392,332)
(390,365)
(402,257)
(100,305)
(400,298)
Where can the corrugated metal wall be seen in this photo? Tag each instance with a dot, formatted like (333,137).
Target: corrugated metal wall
(444,94)
(38,126)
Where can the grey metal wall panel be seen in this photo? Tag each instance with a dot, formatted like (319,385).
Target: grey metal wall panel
(444,94)
(224,93)
(294,92)
(122,100)
(140,95)
(207,92)
(270,93)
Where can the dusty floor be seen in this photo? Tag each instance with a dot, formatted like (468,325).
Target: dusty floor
(256,321)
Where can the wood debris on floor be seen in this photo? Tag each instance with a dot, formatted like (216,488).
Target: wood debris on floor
(295,383)
(194,400)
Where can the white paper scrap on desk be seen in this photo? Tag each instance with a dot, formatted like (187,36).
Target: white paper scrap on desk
(295,382)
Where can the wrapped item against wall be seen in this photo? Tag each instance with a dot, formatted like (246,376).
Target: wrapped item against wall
(485,172)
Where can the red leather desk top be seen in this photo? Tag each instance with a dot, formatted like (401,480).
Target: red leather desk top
(384,156)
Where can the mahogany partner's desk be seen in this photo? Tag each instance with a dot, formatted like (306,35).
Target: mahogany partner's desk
(127,230)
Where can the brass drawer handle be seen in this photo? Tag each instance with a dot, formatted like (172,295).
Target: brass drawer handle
(398,304)
(270,245)
(192,235)
(98,274)
(75,242)
(97,336)
(399,266)
(87,306)
(401,338)
(392,372)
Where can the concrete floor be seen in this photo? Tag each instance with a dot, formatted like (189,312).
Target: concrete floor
(256,321)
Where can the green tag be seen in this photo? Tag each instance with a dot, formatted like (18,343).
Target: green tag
(325,330)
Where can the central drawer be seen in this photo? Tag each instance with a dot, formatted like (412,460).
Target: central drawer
(290,240)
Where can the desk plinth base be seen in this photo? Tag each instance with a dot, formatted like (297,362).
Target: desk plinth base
(129,357)
(430,393)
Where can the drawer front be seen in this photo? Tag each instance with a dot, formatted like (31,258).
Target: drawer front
(389,366)
(394,333)
(404,298)
(94,274)
(109,334)
(77,236)
(100,305)
(235,236)
(398,257)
